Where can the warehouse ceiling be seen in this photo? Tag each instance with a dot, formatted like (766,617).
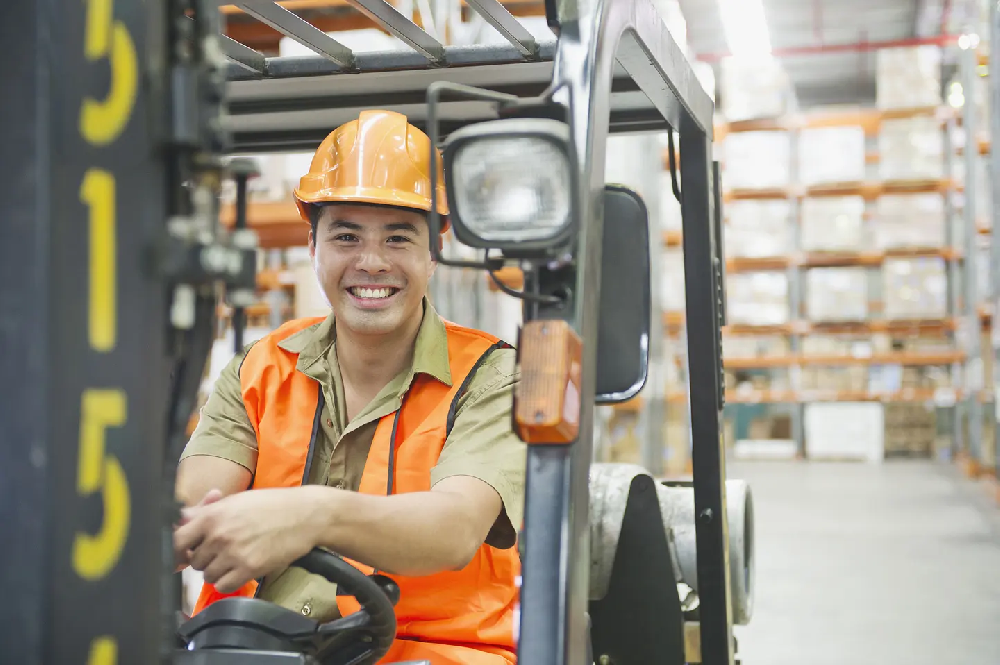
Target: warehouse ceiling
(825,46)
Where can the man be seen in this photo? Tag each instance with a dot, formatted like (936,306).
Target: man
(381,432)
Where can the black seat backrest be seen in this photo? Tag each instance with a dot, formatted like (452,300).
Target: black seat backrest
(639,620)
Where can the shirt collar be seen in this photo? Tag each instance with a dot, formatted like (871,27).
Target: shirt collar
(430,353)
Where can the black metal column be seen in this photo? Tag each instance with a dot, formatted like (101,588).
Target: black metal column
(81,322)
(25,480)
(705,393)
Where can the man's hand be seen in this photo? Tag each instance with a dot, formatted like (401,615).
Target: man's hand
(183,558)
(246,535)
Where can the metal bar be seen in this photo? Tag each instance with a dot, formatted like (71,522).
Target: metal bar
(300,30)
(508,26)
(954,284)
(543,627)
(974,362)
(703,384)
(654,415)
(848,47)
(79,460)
(994,106)
(389,18)
(243,55)
(26,455)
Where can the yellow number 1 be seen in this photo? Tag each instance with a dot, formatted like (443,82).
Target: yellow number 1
(95,555)
(98,192)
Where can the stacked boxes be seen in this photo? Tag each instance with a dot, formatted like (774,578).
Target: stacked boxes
(833,224)
(910,430)
(758,160)
(837,294)
(831,155)
(754,88)
(910,221)
(853,378)
(915,288)
(911,149)
(909,77)
(758,228)
(756,346)
(759,298)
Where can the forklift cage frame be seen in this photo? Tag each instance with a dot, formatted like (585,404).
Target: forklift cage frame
(615,60)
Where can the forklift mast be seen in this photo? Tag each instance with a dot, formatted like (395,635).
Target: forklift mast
(111,173)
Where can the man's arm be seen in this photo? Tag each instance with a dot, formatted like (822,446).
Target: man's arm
(222,452)
(477,496)
(417,533)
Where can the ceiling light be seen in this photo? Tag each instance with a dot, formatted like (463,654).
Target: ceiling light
(745,27)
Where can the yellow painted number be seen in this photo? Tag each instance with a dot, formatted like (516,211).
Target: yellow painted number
(102,121)
(98,192)
(95,555)
(103,651)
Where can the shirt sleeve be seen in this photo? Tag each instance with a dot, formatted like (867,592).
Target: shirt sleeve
(482,443)
(224,429)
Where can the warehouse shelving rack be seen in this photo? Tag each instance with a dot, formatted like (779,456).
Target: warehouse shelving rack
(793,264)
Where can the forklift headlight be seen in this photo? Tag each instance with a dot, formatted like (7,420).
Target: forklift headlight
(510,183)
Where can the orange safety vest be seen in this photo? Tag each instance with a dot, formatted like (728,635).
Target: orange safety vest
(453,617)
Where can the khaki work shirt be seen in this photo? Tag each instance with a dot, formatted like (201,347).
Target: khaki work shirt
(482,443)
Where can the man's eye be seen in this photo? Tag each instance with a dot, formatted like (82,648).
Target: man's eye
(399,239)
(345,237)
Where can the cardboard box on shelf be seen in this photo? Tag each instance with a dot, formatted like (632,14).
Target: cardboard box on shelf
(833,224)
(758,298)
(909,221)
(758,228)
(754,88)
(831,155)
(908,77)
(755,346)
(844,431)
(911,149)
(837,294)
(915,288)
(757,160)
(854,346)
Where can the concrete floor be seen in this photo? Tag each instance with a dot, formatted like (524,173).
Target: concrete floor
(872,565)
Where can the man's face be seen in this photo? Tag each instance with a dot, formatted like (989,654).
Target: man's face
(374,264)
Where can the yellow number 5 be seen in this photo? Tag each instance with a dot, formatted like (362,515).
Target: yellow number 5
(103,651)
(95,555)
(102,121)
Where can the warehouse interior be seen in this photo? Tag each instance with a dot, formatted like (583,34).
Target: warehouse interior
(857,177)
(860,432)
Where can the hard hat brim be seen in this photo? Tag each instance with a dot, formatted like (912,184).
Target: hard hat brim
(372,196)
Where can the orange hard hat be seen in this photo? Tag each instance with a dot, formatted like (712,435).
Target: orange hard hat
(379,158)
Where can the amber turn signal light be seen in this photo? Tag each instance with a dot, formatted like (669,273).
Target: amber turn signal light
(547,397)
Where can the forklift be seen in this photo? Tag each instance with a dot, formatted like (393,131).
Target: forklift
(114,262)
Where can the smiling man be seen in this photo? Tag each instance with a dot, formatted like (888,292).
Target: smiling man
(381,432)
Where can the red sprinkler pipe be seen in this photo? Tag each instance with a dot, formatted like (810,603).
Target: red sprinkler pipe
(852,47)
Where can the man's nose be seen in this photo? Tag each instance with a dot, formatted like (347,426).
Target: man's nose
(372,259)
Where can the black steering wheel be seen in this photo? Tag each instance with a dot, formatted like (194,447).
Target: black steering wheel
(251,624)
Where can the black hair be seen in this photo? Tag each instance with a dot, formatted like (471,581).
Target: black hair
(316,210)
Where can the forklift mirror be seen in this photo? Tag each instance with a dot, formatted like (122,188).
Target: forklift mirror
(624,315)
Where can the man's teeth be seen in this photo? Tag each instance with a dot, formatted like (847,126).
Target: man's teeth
(371,293)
